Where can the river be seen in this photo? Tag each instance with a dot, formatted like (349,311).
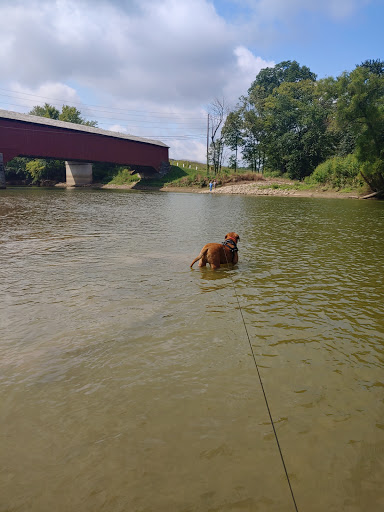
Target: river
(127,381)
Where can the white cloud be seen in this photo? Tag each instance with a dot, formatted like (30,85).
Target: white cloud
(246,67)
(152,59)
(192,150)
(61,93)
(170,51)
(117,128)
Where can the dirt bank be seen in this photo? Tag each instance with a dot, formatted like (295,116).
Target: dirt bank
(272,188)
(265,187)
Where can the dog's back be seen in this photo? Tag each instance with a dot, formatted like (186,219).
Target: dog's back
(216,254)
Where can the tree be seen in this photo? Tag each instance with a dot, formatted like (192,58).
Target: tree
(68,114)
(45,111)
(360,108)
(261,135)
(296,125)
(16,169)
(232,134)
(374,66)
(40,170)
(269,79)
(72,115)
(218,111)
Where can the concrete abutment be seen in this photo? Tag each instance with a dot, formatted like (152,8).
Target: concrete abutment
(78,173)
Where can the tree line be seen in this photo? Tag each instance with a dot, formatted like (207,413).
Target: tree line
(289,124)
(292,124)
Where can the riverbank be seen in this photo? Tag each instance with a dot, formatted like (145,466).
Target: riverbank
(266,187)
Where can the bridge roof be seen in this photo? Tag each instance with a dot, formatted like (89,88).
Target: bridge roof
(27,118)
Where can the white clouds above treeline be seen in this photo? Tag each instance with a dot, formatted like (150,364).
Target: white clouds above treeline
(148,56)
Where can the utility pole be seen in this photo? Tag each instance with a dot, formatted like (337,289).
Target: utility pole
(208,144)
(236,156)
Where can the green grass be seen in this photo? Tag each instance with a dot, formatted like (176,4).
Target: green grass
(194,174)
(124,177)
(185,173)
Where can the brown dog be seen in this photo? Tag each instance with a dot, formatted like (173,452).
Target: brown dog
(214,254)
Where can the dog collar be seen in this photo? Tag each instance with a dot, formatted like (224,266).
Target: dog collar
(231,245)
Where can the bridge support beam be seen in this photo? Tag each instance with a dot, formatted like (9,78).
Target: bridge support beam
(2,172)
(78,173)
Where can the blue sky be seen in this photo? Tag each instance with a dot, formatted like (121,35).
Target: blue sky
(327,40)
(152,67)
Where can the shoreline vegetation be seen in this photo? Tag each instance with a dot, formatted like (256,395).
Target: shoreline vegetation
(333,180)
(192,177)
(269,187)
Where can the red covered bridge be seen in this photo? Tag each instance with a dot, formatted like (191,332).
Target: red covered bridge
(79,145)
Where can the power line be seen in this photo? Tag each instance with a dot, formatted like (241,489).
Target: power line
(169,137)
(100,107)
(120,119)
(141,119)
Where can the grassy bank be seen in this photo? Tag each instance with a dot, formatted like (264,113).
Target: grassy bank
(185,175)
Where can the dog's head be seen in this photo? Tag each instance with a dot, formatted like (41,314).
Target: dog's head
(232,236)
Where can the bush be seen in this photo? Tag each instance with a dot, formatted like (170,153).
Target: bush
(124,176)
(235,178)
(40,170)
(338,172)
(272,174)
(374,174)
(16,170)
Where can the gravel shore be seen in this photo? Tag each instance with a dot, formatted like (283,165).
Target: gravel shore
(265,187)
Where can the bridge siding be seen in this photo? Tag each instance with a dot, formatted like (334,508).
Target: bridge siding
(19,138)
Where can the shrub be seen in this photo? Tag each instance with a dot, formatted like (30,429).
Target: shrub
(124,176)
(338,172)
(234,178)
(41,170)
(272,174)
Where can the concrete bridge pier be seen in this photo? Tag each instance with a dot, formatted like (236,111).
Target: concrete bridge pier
(2,172)
(78,173)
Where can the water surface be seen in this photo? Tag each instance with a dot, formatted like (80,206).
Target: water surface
(127,381)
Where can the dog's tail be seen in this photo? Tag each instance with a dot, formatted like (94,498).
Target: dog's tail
(198,258)
(194,261)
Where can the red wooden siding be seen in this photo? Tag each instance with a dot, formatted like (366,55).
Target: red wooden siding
(19,138)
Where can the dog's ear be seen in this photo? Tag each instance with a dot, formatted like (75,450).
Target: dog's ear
(238,238)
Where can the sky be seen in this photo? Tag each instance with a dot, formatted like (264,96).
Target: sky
(152,68)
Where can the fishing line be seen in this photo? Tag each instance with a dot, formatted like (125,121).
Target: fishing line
(262,386)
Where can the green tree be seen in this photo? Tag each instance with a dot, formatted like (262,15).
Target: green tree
(295,120)
(287,71)
(254,138)
(232,133)
(360,108)
(46,110)
(45,170)
(73,115)
(374,66)
(16,169)
(68,114)
(342,140)
(269,125)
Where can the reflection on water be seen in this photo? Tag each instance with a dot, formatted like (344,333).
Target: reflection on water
(127,381)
